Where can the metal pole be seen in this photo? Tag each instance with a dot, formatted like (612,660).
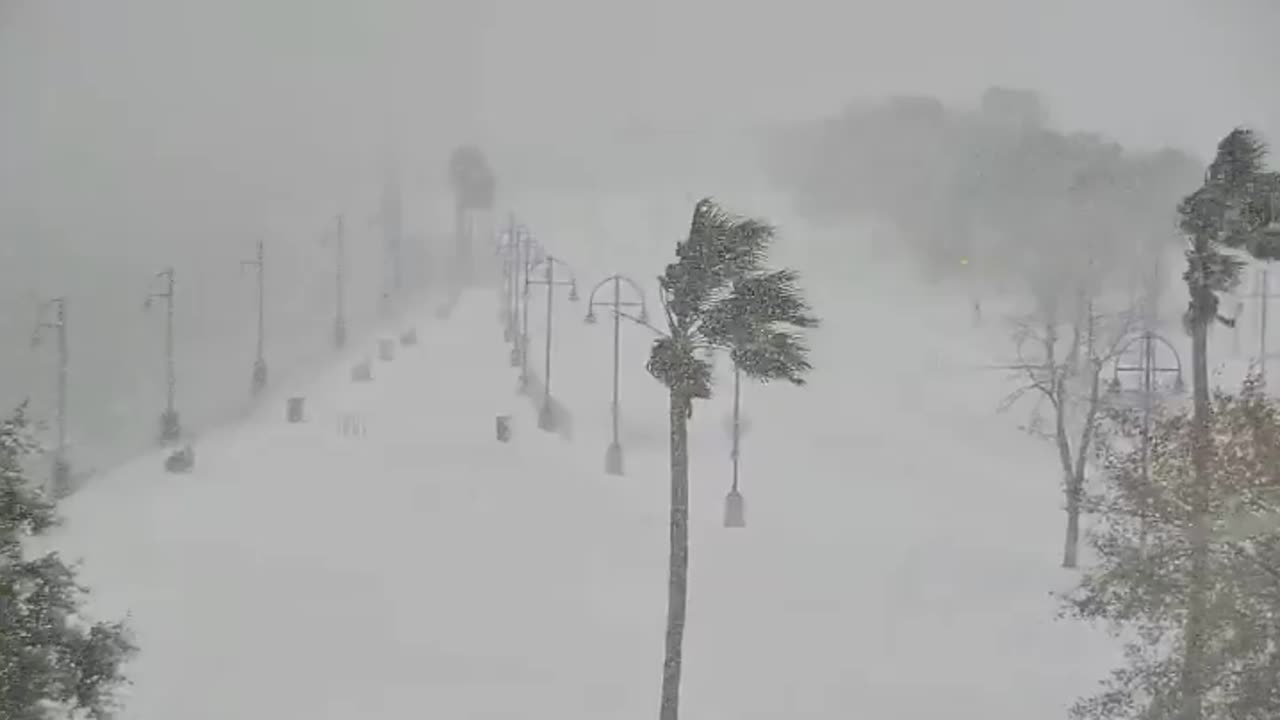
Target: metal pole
(1264,298)
(737,427)
(617,332)
(170,369)
(524,322)
(340,296)
(551,294)
(261,302)
(513,276)
(63,362)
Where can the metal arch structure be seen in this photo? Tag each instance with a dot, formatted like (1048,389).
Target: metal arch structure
(617,302)
(1147,366)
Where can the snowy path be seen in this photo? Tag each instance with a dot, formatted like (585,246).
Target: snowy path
(902,544)
(903,538)
(421,571)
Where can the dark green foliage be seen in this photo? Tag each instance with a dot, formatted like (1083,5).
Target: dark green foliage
(1142,582)
(51,660)
(1232,211)
(719,295)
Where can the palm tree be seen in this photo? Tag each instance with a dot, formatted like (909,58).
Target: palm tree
(717,295)
(1233,210)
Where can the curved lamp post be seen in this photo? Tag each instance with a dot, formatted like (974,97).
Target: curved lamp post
(546,417)
(61,479)
(170,422)
(613,455)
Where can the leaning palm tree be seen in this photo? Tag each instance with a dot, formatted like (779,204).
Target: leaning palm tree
(1232,212)
(717,295)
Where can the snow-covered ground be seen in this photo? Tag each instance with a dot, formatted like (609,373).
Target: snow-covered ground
(902,543)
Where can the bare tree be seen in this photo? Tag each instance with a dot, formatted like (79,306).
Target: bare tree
(1061,363)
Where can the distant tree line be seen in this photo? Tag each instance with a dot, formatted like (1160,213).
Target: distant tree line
(993,193)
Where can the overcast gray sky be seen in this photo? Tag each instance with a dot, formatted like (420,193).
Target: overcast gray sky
(275,101)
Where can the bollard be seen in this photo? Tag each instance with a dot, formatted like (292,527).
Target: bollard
(503,428)
(294,409)
(180,461)
(386,349)
(409,338)
(735,511)
(361,372)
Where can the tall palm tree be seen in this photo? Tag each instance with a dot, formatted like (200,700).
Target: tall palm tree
(1232,211)
(718,296)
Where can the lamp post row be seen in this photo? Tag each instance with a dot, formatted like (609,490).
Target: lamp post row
(521,256)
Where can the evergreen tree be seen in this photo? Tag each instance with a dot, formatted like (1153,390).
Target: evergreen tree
(52,663)
(718,295)
(1231,211)
(1145,590)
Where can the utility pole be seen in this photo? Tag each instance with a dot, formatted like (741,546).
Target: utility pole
(258,382)
(170,422)
(340,281)
(60,483)
(546,418)
(613,455)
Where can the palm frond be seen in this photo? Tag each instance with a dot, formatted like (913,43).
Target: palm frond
(774,355)
(677,365)
(757,303)
(719,249)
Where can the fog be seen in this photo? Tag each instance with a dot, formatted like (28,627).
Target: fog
(141,133)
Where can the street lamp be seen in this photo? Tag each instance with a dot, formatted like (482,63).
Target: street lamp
(170,422)
(613,455)
(61,478)
(259,380)
(546,417)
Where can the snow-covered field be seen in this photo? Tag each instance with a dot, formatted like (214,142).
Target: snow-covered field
(902,543)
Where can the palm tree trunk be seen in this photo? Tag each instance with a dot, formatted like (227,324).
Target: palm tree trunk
(1192,680)
(678,562)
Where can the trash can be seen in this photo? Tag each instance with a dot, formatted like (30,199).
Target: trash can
(361,372)
(294,409)
(503,428)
